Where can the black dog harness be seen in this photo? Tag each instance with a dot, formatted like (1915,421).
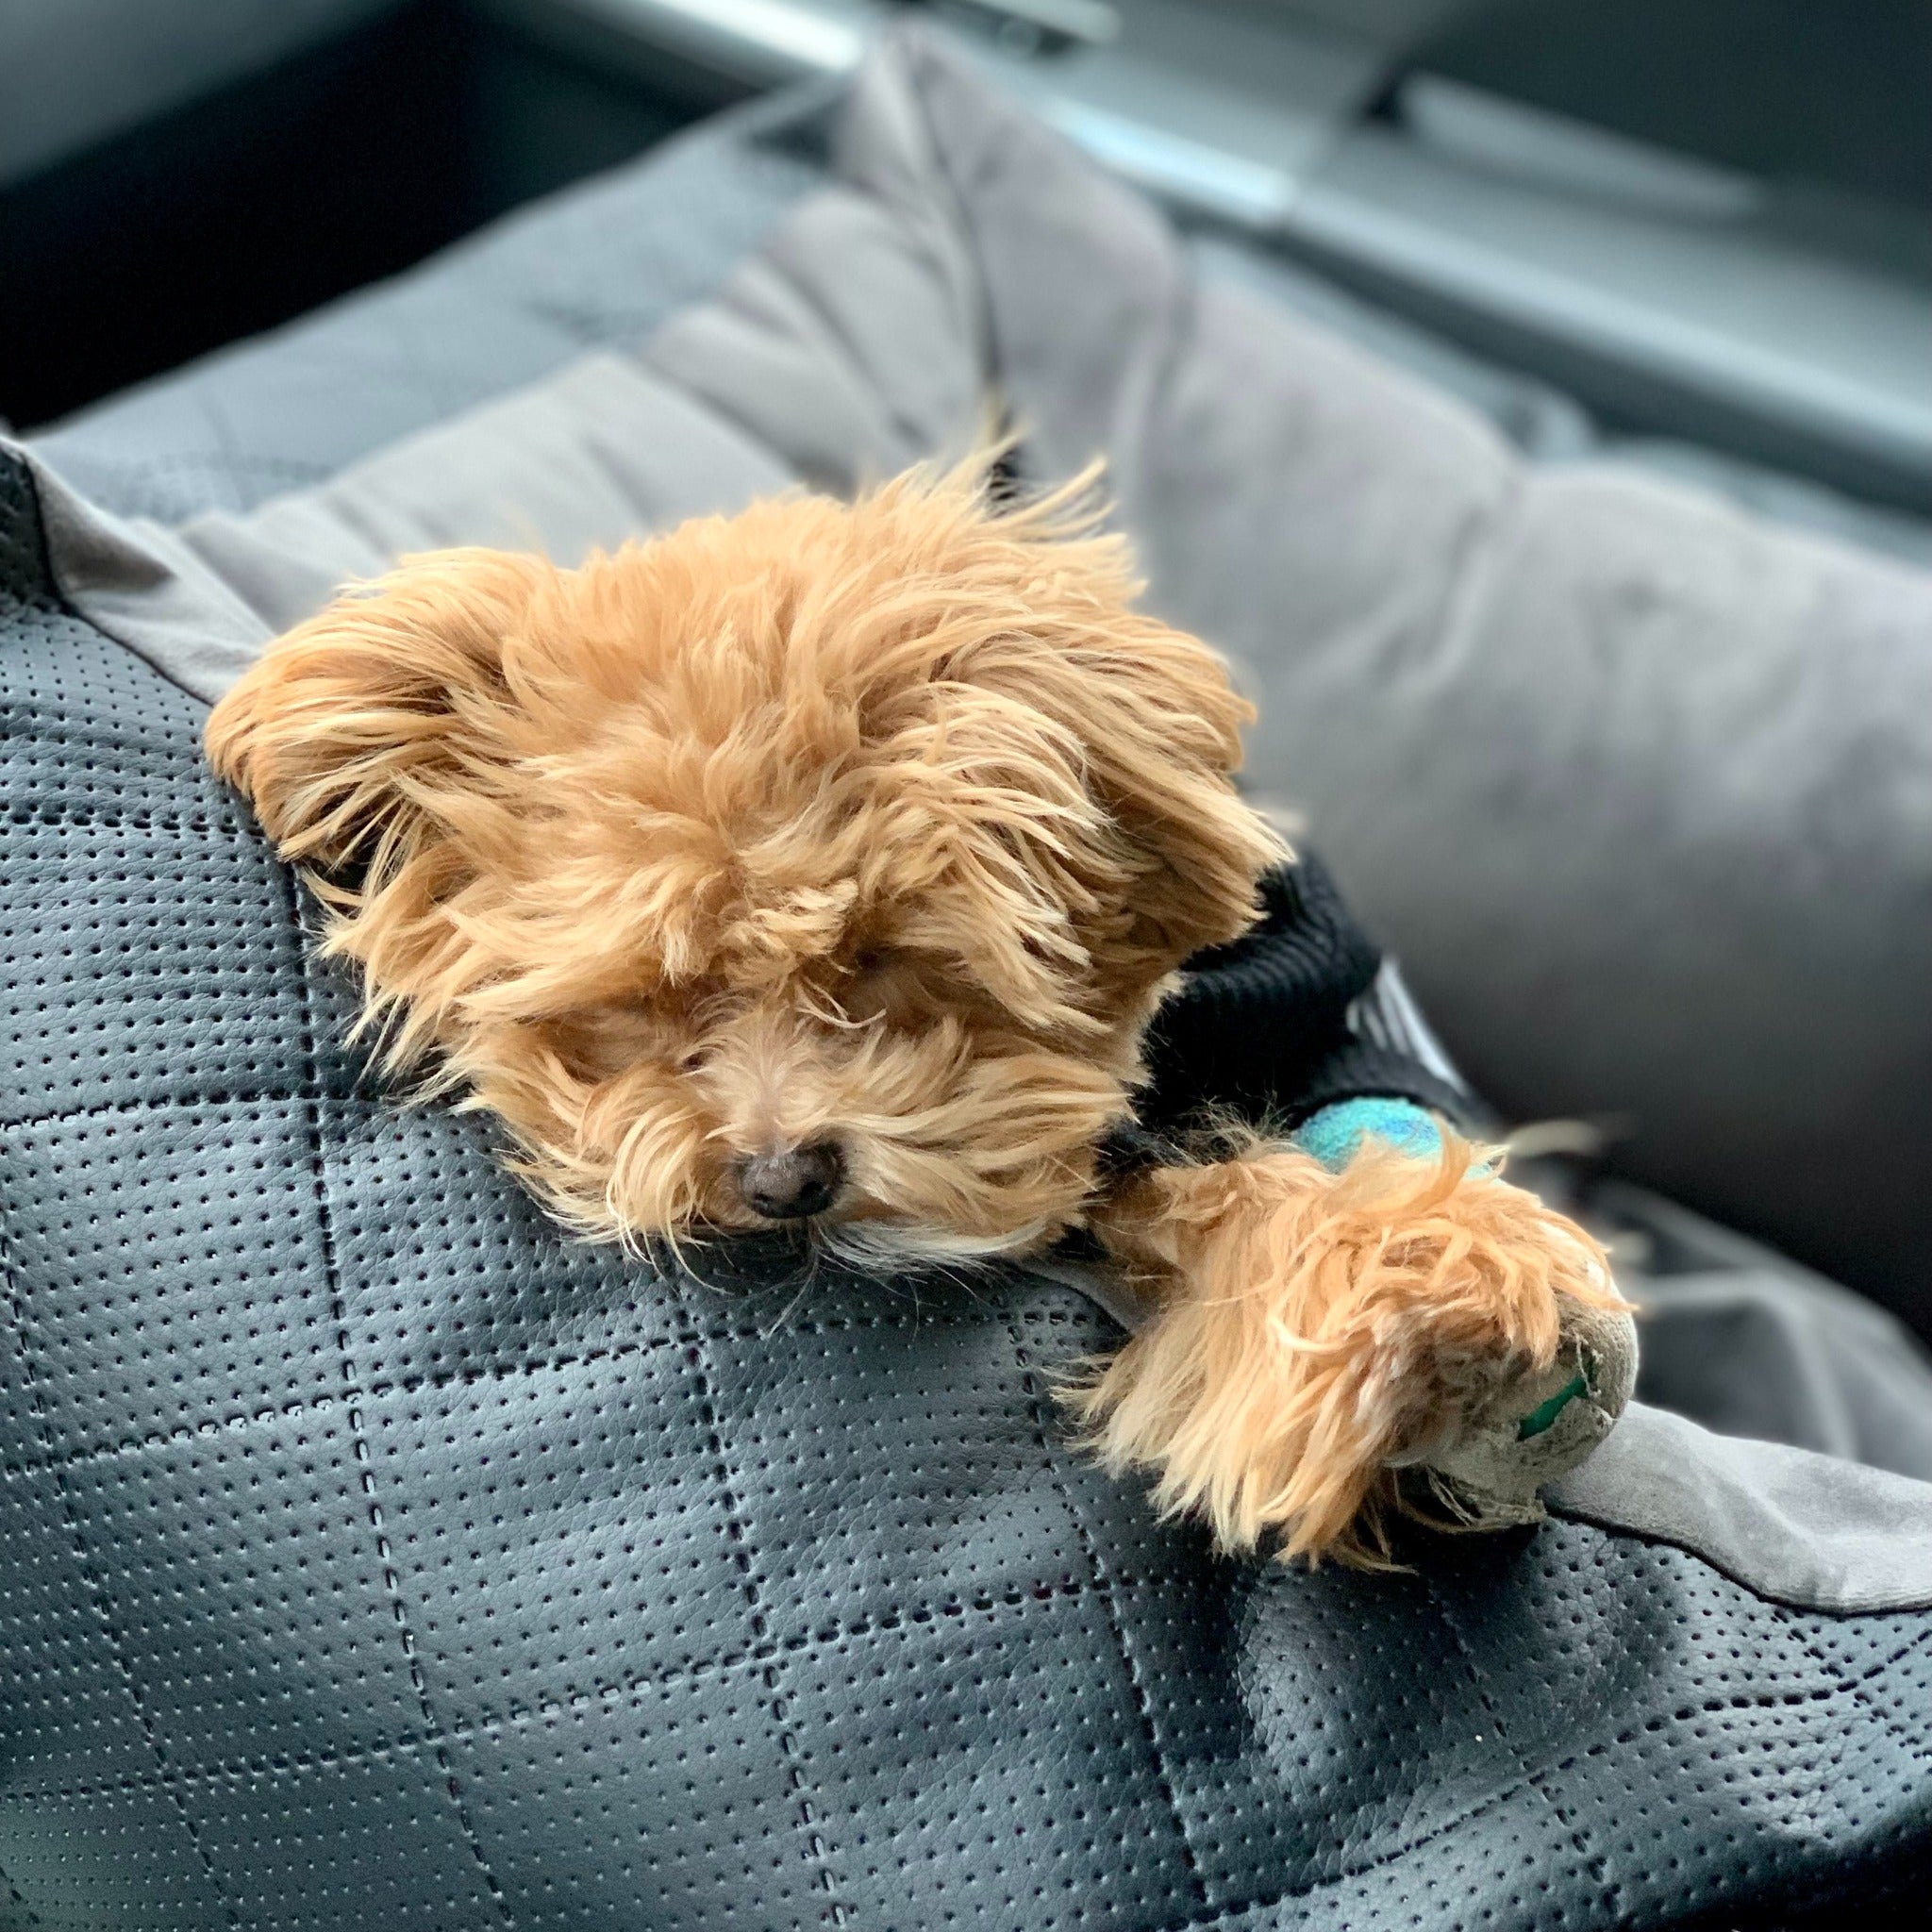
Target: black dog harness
(1288,1026)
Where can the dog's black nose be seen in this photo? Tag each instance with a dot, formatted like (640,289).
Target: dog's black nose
(792,1185)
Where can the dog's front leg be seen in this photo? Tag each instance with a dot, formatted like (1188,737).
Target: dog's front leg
(1313,1330)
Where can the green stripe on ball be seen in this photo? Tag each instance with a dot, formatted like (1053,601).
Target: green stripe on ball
(1544,1414)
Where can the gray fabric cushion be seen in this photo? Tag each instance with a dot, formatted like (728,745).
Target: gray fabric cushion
(1743,1341)
(592,456)
(1765,1352)
(1546,424)
(374,1556)
(1792,1527)
(1635,783)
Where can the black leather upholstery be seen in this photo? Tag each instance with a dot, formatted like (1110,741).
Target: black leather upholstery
(371,1556)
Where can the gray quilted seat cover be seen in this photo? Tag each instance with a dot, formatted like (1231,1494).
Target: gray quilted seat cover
(372,1557)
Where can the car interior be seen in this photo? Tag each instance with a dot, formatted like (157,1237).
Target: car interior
(1559,186)
(1534,399)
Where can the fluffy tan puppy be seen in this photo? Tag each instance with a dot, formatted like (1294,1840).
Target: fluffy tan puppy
(827,864)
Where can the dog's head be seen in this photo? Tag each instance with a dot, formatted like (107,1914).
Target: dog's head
(824,861)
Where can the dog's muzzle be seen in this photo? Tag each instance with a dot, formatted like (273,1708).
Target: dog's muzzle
(793,1184)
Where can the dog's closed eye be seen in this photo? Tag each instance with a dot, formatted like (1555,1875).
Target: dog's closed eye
(890,985)
(610,1037)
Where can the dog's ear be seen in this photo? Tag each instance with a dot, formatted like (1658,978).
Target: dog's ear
(369,724)
(1161,725)
(379,744)
(1154,710)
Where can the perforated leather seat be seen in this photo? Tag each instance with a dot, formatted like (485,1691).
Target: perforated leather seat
(372,1556)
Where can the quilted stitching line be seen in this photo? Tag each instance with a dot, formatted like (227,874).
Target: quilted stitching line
(144,756)
(182,1102)
(1918,1641)
(365,1472)
(13,1891)
(9,1283)
(212,1427)
(62,817)
(1593,1861)
(1856,1685)
(1116,1624)
(190,1775)
(1838,1745)
(1393,1854)
(489,1722)
(738,1531)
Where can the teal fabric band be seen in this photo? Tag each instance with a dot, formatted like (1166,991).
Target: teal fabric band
(1333,1135)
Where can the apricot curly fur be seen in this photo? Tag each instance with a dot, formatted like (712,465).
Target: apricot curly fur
(889,823)
(1317,1329)
(888,819)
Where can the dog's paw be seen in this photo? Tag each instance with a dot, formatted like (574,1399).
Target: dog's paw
(1319,1331)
